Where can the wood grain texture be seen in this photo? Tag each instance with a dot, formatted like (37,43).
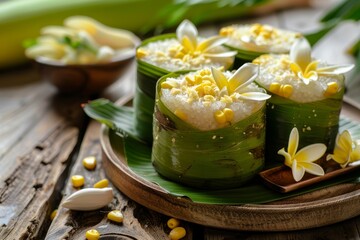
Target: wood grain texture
(139,222)
(38,135)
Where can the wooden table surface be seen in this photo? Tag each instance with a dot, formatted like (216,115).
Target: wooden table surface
(45,135)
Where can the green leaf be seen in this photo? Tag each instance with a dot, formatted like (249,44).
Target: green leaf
(349,9)
(29,43)
(314,37)
(138,157)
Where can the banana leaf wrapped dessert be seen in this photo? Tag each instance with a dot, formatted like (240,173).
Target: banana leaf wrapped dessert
(306,94)
(181,52)
(253,40)
(209,127)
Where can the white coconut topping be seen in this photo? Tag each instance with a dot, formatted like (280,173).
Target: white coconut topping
(198,102)
(168,54)
(276,69)
(259,38)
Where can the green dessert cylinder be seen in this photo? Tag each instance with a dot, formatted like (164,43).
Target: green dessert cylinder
(146,78)
(215,159)
(317,122)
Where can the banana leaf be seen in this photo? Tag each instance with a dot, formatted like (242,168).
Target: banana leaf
(214,159)
(138,155)
(318,122)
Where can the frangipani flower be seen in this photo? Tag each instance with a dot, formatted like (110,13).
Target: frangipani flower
(306,69)
(346,150)
(302,161)
(244,76)
(187,35)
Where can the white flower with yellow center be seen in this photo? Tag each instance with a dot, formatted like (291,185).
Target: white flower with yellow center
(237,83)
(306,69)
(303,160)
(346,150)
(187,35)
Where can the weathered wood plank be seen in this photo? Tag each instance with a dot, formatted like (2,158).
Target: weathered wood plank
(139,222)
(38,134)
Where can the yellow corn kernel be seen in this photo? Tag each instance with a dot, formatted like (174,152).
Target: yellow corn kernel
(220,117)
(180,114)
(286,90)
(179,55)
(229,114)
(53,214)
(332,88)
(89,163)
(175,91)
(140,53)
(173,223)
(226,31)
(115,216)
(177,233)
(189,80)
(205,72)
(102,183)
(274,87)
(92,234)
(167,85)
(256,28)
(209,98)
(77,180)
(198,79)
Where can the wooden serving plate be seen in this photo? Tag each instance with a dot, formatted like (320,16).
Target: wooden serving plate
(321,207)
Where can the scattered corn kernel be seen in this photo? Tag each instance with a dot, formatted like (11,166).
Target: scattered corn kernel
(92,234)
(220,117)
(77,180)
(89,162)
(229,114)
(173,223)
(53,214)
(180,114)
(102,183)
(140,53)
(331,89)
(177,233)
(115,216)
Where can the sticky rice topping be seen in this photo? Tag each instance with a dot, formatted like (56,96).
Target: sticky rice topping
(169,54)
(197,99)
(259,38)
(187,51)
(277,76)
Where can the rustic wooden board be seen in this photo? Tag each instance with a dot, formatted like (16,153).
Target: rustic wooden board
(39,131)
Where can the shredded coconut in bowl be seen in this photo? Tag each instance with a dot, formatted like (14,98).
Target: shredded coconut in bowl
(168,54)
(197,103)
(276,69)
(259,38)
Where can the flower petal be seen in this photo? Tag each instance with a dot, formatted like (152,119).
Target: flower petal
(311,153)
(295,68)
(187,44)
(303,78)
(188,29)
(245,75)
(256,96)
(312,168)
(311,67)
(58,31)
(335,69)
(288,159)
(300,53)
(293,142)
(297,171)
(220,55)
(219,77)
(344,141)
(211,42)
